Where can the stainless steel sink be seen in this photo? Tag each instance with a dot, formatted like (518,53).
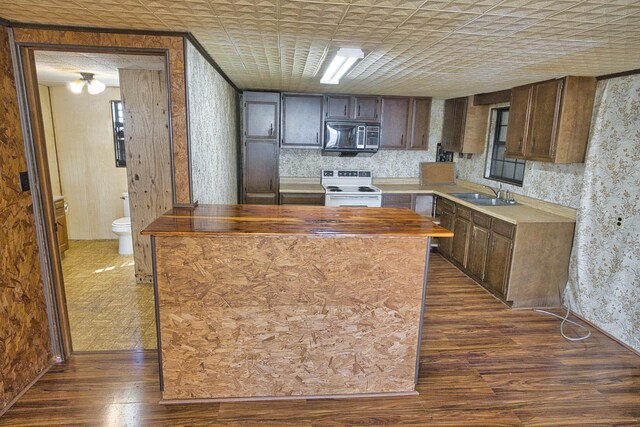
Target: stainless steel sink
(471,196)
(493,202)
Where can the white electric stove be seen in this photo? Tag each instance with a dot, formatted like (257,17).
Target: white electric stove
(350,188)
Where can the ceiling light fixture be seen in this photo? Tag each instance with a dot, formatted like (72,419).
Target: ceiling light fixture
(94,86)
(345,58)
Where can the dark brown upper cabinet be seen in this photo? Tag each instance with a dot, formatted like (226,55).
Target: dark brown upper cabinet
(465,126)
(261,136)
(405,123)
(302,124)
(262,116)
(367,108)
(395,123)
(549,121)
(338,107)
(420,118)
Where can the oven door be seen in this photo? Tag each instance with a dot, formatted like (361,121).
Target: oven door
(344,136)
(368,201)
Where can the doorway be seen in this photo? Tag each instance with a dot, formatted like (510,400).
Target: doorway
(107,294)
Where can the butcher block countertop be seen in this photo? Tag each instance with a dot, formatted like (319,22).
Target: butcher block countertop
(288,220)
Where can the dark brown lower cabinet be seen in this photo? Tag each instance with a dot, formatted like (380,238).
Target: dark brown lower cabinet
(478,251)
(445,243)
(498,262)
(316,199)
(460,244)
(397,201)
(261,172)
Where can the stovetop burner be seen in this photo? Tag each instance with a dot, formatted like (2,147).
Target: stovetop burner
(334,189)
(366,189)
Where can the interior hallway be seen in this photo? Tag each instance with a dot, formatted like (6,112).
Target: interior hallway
(481,364)
(107,309)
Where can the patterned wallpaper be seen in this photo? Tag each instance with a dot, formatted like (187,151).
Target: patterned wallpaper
(385,163)
(554,183)
(213,105)
(604,274)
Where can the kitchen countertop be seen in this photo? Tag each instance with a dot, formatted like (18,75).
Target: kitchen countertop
(520,213)
(287,220)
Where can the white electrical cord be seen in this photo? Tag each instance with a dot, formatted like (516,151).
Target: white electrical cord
(565,319)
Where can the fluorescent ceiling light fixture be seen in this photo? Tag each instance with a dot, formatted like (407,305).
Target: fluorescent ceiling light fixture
(94,86)
(340,65)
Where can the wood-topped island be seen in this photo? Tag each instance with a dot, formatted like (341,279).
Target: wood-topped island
(283,302)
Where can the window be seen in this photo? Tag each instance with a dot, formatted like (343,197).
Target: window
(503,168)
(117,120)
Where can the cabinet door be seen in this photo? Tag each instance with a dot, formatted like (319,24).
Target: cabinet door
(367,108)
(397,201)
(301,121)
(455,113)
(420,117)
(460,245)
(260,168)
(261,119)
(338,107)
(395,116)
(545,105)
(498,261)
(445,243)
(61,231)
(478,251)
(518,121)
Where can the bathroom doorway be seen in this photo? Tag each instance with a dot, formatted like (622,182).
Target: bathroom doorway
(107,293)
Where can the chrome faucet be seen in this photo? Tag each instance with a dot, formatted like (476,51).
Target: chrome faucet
(498,192)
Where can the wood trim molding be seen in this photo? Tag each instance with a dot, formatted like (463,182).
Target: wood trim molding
(132,42)
(33,26)
(620,74)
(489,98)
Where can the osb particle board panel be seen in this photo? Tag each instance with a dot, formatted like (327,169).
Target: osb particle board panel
(175,49)
(433,173)
(144,108)
(268,317)
(25,344)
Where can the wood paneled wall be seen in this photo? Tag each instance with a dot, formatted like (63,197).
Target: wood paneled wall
(144,102)
(25,343)
(91,183)
(49,133)
(174,45)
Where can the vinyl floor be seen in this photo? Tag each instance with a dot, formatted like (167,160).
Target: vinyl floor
(481,364)
(108,310)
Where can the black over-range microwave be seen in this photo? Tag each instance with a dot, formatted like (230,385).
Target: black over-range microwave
(351,139)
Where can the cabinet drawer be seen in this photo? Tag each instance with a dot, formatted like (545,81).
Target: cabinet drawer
(463,212)
(397,201)
(302,199)
(481,220)
(503,228)
(447,204)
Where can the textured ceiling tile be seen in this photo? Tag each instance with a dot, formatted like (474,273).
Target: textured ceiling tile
(472,6)
(178,8)
(360,34)
(405,4)
(601,11)
(298,11)
(438,21)
(246,9)
(532,8)
(369,16)
(497,25)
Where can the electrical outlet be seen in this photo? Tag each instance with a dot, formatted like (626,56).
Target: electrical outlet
(619,221)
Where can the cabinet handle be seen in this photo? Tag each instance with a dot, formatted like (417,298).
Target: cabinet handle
(271,184)
(271,129)
(402,139)
(345,109)
(520,144)
(533,144)
(358,110)
(422,143)
(317,137)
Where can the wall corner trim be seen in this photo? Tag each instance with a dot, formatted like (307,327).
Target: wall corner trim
(210,60)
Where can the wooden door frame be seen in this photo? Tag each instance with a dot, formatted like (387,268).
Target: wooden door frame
(38,166)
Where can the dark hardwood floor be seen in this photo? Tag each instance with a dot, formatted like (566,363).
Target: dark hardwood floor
(482,364)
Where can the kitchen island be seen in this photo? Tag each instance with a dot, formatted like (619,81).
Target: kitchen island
(272,302)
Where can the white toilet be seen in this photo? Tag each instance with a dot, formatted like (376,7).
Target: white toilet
(122,227)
